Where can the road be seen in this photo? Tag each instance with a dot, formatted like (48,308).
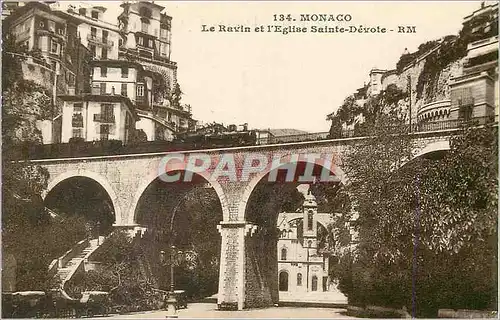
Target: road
(209,310)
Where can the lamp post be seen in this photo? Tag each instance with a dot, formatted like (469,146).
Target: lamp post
(171,300)
(98,232)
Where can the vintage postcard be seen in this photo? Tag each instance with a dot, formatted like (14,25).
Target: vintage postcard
(288,159)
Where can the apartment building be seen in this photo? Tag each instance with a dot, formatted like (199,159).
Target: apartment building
(100,37)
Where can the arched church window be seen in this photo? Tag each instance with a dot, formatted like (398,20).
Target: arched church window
(283,281)
(299,279)
(310,220)
(283,254)
(314,285)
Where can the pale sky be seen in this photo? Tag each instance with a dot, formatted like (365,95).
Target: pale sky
(271,80)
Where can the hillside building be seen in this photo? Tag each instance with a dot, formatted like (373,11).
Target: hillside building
(79,57)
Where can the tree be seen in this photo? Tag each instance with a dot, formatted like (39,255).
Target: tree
(176,96)
(28,232)
(426,227)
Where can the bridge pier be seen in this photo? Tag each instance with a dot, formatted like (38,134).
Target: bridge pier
(232,264)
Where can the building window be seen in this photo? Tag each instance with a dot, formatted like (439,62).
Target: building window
(124,89)
(163,34)
(465,113)
(82,11)
(105,36)
(299,279)
(145,26)
(107,112)
(54,47)
(150,43)
(77,107)
(95,14)
(283,281)
(77,119)
(314,284)
(104,131)
(93,50)
(103,88)
(140,90)
(140,40)
(104,72)
(309,244)
(164,49)
(283,254)
(77,133)
(310,220)
(93,32)
(325,283)
(124,72)
(104,53)
(43,43)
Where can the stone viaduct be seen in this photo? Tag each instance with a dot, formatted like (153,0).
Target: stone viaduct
(125,178)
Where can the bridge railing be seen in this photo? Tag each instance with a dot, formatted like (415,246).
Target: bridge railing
(115,147)
(361,132)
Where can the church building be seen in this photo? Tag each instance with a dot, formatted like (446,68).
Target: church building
(303,272)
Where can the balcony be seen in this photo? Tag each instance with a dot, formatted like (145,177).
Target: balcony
(465,101)
(104,118)
(100,41)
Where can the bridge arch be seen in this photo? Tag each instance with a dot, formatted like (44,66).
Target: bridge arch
(146,182)
(433,147)
(102,181)
(337,171)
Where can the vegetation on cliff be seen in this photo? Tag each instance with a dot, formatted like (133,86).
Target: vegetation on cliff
(360,117)
(29,234)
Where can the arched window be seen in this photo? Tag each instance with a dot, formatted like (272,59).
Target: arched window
(145,25)
(283,279)
(299,279)
(314,285)
(283,254)
(310,220)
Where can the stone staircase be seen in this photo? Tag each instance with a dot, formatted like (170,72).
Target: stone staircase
(72,262)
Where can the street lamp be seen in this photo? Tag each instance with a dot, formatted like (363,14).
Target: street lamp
(171,300)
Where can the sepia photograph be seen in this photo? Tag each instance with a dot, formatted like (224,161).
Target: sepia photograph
(249,159)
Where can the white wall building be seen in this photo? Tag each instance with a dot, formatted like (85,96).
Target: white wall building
(97,117)
(303,272)
(100,37)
